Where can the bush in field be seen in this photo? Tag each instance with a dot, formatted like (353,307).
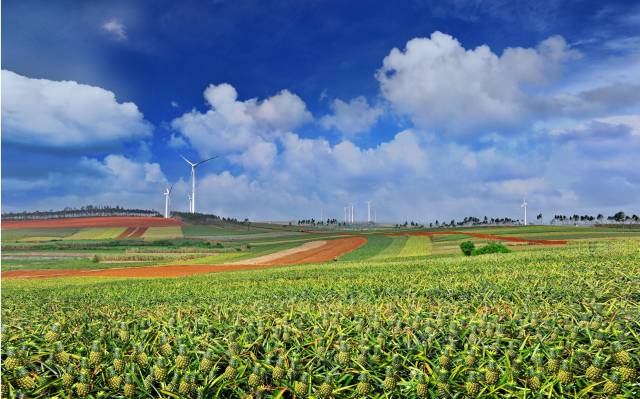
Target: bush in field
(492,248)
(467,248)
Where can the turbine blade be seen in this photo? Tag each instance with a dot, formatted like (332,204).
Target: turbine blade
(186,160)
(208,159)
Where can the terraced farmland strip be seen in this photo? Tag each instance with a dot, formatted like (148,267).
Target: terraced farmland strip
(162,233)
(416,246)
(393,249)
(373,247)
(138,233)
(99,233)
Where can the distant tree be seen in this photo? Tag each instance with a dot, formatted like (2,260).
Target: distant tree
(539,217)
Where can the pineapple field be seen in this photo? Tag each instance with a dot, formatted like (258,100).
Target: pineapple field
(383,321)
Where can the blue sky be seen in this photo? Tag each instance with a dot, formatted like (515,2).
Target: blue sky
(429,109)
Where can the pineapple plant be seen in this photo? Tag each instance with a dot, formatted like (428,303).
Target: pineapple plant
(444,359)
(148,382)
(553,363)
(343,357)
(470,358)
(82,387)
(422,388)
(118,362)
(491,374)
(472,387)
(24,380)
(533,380)
(181,359)
(565,375)
(159,370)
(61,356)
(442,386)
(68,378)
(115,380)
(627,373)
(129,388)
(390,380)
(123,332)
(11,362)
(620,356)
(206,363)
(594,371)
(362,356)
(612,385)
(53,334)
(172,386)
(95,355)
(364,385)
(255,378)
(278,372)
(141,356)
(326,388)
(165,347)
(230,371)
(300,387)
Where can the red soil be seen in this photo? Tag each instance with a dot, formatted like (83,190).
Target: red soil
(126,233)
(325,253)
(111,221)
(486,236)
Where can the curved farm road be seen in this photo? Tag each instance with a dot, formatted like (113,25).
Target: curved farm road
(486,236)
(316,253)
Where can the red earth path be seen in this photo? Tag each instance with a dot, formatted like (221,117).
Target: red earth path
(327,252)
(107,221)
(487,237)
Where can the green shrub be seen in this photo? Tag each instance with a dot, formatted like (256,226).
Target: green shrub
(492,248)
(467,248)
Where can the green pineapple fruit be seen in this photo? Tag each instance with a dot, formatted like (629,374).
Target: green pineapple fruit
(255,378)
(390,380)
(82,387)
(159,370)
(24,380)
(165,347)
(148,382)
(422,388)
(278,371)
(230,371)
(533,380)
(173,385)
(115,380)
(95,355)
(68,378)
(12,362)
(445,359)
(620,356)
(326,389)
(594,371)
(123,332)
(627,373)
(612,385)
(181,359)
(364,386)
(53,334)
(301,387)
(118,362)
(363,356)
(206,363)
(60,354)
(565,376)
(129,389)
(141,356)
(470,359)
(553,363)
(472,387)
(491,374)
(343,356)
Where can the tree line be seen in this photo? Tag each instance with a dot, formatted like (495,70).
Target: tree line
(83,211)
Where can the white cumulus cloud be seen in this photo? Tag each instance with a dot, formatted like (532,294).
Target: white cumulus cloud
(351,118)
(116,28)
(47,113)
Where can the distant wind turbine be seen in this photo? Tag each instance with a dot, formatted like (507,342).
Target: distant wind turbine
(524,205)
(167,194)
(192,202)
(368,211)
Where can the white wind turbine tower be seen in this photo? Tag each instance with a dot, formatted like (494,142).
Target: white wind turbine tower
(192,201)
(524,205)
(167,193)
(353,211)
(368,211)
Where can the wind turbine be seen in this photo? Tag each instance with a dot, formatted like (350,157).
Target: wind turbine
(352,212)
(167,193)
(524,205)
(368,211)
(192,202)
